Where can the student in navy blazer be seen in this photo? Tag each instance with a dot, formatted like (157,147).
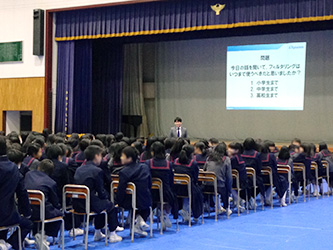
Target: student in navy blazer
(178,130)
(139,174)
(40,180)
(11,183)
(92,176)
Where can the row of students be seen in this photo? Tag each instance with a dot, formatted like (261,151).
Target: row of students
(180,160)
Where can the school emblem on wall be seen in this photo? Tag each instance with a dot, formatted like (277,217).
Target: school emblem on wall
(218,8)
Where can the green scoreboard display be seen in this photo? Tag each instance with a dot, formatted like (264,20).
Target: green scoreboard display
(11,52)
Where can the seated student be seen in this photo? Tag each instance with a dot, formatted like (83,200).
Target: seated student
(91,176)
(79,156)
(285,159)
(68,160)
(316,157)
(163,169)
(11,186)
(104,166)
(146,155)
(220,164)
(40,180)
(138,146)
(200,154)
(293,151)
(235,150)
(115,164)
(326,155)
(60,172)
(40,140)
(296,142)
(252,159)
(186,165)
(119,136)
(139,174)
(268,159)
(272,148)
(34,152)
(17,157)
(175,150)
(168,143)
(305,157)
(212,143)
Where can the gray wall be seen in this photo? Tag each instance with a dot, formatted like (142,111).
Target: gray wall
(190,78)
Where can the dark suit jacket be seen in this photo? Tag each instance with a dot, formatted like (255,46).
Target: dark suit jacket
(60,176)
(140,175)
(174,132)
(37,180)
(93,177)
(11,182)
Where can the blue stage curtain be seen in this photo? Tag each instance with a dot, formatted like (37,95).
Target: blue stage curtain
(65,82)
(82,96)
(183,16)
(74,84)
(107,86)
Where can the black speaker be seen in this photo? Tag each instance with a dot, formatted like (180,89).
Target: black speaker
(38,43)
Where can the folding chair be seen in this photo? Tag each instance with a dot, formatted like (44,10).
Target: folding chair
(327,176)
(314,167)
(286,169)
(251,173)
(82,192)
(131,190)
(267,171)
(37,198)
(210,177)
(12,227)
(157,184)
(300,167)
(184,180)
(235,176)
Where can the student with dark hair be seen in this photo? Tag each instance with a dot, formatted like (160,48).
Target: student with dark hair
(268,159)
(186,165)
(146,155)
(285,159)
(168,143)
(272,147)
(138,146)
(12,192)
(92,176)
(119,136)
(116,150)
(220,164)
(235,150)
(305,157)
(34,152)
(200,154)
(178,131)
(163,169)
(326,155)
(317,158)
(175,150)
(296,141)
(60,172)
(17,157)
(212,143)
(139,174)
(79,157)
(41,141)
(109,140)
(40,180)
(294,151)
(252,159)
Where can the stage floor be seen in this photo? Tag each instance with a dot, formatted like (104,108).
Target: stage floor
(299,226)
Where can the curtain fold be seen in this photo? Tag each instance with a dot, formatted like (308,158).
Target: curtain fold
(107,87)
(183,16)
(133,99)
(65,82)
(82,96)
